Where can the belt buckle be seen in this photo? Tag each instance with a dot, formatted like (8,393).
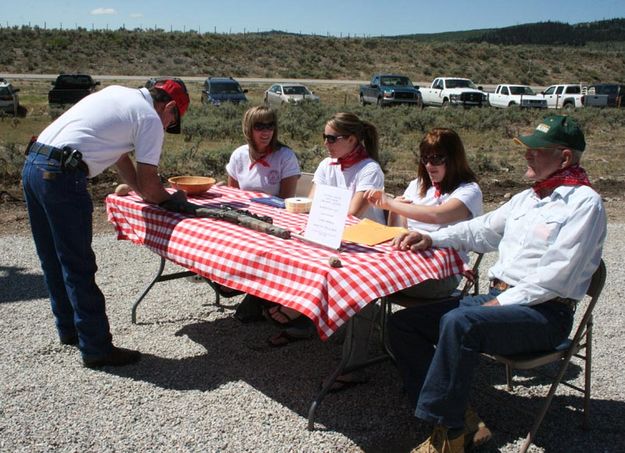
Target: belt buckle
(498,284)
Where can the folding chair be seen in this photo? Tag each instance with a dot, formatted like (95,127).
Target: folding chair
(581,342)
(304,184)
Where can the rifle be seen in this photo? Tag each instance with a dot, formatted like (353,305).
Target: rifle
(245,218)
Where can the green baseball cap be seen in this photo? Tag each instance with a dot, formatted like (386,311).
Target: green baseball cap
(554,131)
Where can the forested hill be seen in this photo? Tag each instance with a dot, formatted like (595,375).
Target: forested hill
(482,55)
(556,33)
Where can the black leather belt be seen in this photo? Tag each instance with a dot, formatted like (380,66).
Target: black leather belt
(62,155)
(502,286)
(571,303)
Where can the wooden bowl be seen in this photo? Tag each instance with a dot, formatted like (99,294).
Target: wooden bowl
(192,185)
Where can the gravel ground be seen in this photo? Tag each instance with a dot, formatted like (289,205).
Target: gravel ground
(207,383)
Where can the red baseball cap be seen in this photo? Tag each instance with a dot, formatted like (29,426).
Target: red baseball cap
(177,90)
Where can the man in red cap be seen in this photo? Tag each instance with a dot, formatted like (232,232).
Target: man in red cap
(98,132)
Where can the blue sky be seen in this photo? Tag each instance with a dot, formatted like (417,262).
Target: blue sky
(334,17)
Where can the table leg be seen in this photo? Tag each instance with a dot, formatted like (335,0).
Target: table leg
(159,277)
(355,354)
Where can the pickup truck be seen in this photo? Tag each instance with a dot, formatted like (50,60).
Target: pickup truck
(516,95)
(389,89)
(571,96)
(614,91)
(446,91)
(71,88)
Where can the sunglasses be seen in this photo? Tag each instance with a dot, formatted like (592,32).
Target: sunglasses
(264,126)
(434,159)
(333,138)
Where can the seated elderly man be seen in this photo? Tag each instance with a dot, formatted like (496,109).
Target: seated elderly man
(549,240)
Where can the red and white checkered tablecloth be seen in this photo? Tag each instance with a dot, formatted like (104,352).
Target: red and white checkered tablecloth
(292,272)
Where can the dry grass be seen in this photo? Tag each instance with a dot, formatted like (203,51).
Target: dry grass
(486,133)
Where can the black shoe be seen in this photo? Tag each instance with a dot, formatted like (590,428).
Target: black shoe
(117,357)
(71,340)
(250,309)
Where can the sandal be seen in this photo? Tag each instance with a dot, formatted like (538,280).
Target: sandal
(304,330)
(282,316)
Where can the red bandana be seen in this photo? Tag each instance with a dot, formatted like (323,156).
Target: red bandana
(356,155)
(569,176)
(261,160)
(437,189)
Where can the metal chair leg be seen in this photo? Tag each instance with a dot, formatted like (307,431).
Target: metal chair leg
(587,374)
(509,377)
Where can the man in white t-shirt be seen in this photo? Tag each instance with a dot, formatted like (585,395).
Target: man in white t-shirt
(98,132)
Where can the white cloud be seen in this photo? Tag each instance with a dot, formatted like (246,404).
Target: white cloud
(103,12)
(136,15)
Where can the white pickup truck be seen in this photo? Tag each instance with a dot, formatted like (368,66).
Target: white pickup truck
(571,96)
(446,91)
(516,95)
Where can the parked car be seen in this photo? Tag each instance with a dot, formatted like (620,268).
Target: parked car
(222,89)
(9,99)
(516,95)
(614,91)
(282,93)
(389,89)
(71,88)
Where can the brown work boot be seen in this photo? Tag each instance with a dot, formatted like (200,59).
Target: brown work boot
(438,442)
(477,431)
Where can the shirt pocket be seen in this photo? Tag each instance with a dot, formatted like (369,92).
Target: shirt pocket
(547,226)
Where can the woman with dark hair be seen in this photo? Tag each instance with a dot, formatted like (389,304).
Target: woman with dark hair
(353,162)
(445,192)
(263,164)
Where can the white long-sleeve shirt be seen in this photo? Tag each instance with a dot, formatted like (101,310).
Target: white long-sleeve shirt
(548,247)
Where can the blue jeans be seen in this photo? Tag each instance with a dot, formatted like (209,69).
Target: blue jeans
(60,211)
(438,379)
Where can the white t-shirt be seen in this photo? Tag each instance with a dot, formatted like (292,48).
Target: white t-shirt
(108,124)
(469,194)
(361,176)
(283,164)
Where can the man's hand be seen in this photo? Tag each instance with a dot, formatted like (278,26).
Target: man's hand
(179,195)
(491,303)
(412,241)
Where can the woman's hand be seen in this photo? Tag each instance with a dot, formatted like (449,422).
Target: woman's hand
(377,198)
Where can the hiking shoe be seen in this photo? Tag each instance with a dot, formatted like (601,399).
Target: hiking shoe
(117,357)
(477,431)
(439,442)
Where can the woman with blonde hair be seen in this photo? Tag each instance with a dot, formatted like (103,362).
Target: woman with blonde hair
(353,147)
(264,164)
(352,164)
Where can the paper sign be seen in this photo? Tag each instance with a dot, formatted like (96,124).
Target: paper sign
(328,214)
